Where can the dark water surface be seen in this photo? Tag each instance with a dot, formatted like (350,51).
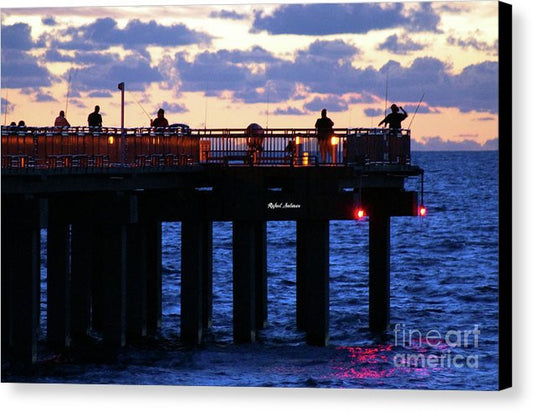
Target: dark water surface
(444,303)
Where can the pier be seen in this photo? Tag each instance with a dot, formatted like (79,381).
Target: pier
(102,195)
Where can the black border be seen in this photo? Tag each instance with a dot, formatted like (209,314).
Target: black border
(505,195)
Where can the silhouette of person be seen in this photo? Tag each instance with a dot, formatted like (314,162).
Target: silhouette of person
(61,120)
(255,137)
(324,132)
(394,119)
(22,124)
(95,118)
(160,120)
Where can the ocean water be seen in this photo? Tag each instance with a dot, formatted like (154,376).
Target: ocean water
(444,303)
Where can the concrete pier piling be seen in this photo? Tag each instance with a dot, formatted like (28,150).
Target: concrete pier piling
(104,246)
(244,279)
(379,272)
(313,280)
(196,280)
(261,275)
(58,281)
(114,242)
(152,238)
(136,283)
(21,250)
(80,280)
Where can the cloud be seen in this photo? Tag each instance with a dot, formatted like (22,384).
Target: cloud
(54,56)
(6,105)
(17,37)
(227,14)
(49,21)
(412,108)
(331,103)
(437,143)
(397,46)
(452,8)
(104,32)
(101,94)
(331,50)
(321,73)
(364,97)
(491,144)
(273,91)
(44,97)
(475,88)
(372,112)
(174,107)
(423,18)
(238,71)
(327,67)
(472,42)
(289,111)
(325,19)
(78,103)
(255,54)
(211,72)
(22,70)
(108,70)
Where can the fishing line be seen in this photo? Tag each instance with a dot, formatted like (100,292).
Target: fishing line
(416,111)
(386,93)
(142,108)
(5,110)
(69,85)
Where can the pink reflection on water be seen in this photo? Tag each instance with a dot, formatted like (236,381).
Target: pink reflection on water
(364,362)
(373,362)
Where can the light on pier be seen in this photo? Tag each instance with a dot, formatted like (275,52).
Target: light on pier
(359,213)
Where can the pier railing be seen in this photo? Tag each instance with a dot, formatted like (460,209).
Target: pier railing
(84,147)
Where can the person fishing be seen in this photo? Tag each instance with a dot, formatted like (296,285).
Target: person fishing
(255,136)
(324,132)
(61,120)
(95,118)
(160,120)
(394,119)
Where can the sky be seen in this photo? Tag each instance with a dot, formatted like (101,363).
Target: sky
(228,65)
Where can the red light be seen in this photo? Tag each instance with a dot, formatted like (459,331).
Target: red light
(359,213)
(422,211)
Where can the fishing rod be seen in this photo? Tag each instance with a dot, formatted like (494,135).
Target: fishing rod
(205,113)
(142,108)
(268,102)
(5,110)
(68,90)
(386,93)
(416,111)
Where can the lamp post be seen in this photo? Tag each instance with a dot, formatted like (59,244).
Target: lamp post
(121,87)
